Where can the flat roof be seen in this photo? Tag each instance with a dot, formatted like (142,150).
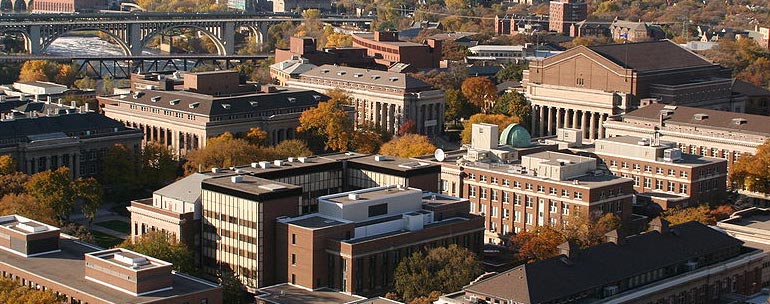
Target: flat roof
(128,259)
(288,294)
(369,194)
(67,267)
(393,163)
(689,160)
(314,221)
(755,220)
(250,184)
(24,225)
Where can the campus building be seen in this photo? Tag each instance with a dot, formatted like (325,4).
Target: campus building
(381,98)
(662,173)
(388,50)
(67,137)
(518,185)
(307,48)
(37,256)
(583,86)
(563,13)
(686,263)
(356,240)
(207,104)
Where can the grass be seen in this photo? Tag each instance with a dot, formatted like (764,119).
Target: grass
(115,225)
(105,240)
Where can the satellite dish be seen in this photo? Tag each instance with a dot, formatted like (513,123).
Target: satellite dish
(439,155)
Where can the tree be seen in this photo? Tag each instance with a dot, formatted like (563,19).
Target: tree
(480,91)
(221,152)
(66,75)
(538,244)
(12,292)
(457,106)
(500,120)
(585,233)
(161,245)
(510,71)
(86,83)
(157,166)
(27,206)
(700,214)
(513,104)
(256,137)
(13,183)
(232,288)
(38,70)
(367,141)
(441,269)
(292,148)
(330,120)
(54,190)
(90,194)
(7,164)
(752,172)
(410,145)
(79,231)
(408,127)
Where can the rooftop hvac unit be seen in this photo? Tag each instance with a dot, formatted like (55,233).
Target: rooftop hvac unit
(278,162)
(353,196)
(264,165)
(302,159)
(236,179)
(255,165)
(672,155)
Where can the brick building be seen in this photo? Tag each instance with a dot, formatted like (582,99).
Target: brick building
(66,6)
(207,104)
(686,263)
(563,13)
(662,173)
(37,256)
(384,99)
(307,48)
(387,50)
(583,86)
(356,240)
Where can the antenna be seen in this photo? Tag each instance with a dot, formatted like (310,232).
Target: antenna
(439,155)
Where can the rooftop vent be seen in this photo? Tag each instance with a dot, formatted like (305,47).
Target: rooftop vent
(290,159)
(255,165)
(155,98)
(353,196)
(278,162)
(324,71)
(375,77)
(133,261)
(644,142)
(358,75)
(575,182)
(226,106)
(340,73)
(194,105)
(254,104)
(240,171)
(292,99)
(236,179)
(137,94)
(174,102)
(303,159)
(31,227)
(393,78)
(317,97)
(380,158)
(216,170)
(740,121)
(264,165)
(701,116)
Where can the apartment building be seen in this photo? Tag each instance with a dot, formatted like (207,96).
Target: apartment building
(38,256)
(563,13)
(207,104)
(387,50)
(67,138)
(584,86)
(662,173)
(686,263)
(384,99)
(356,240)
(517,185)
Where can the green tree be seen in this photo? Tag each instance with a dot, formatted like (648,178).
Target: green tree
(161,245)
(330,120)
(232,288)
(292,148)
(409,145)
(221,152)
(457,106)
(158,166)
(510,72)
(513,104)
(90,194)
(55,190)
(86,83)
(441,269)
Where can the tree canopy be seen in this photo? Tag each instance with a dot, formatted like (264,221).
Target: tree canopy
(703,213)
(44,70)
(409,145)
(330,121)
(752,172)
(161,245)
(440,270)
(53,189)
(12,292)
(480,91)
(542,242)
(500,120)
(221,152)
(514,104)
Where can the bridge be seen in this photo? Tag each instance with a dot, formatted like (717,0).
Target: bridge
(132,31)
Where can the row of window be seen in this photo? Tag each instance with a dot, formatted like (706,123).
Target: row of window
(494,195)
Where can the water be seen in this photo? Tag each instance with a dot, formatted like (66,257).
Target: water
(83,46)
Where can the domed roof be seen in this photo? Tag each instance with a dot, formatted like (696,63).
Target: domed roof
(516,136)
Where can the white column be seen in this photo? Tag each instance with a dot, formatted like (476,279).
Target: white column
(575,119)
(592,125)
(584,124)
(602,119)
(559,118)
(551,117)
(541,122)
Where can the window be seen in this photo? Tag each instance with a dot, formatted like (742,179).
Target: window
(647,168)
(494,195)
(683,188)
(648,182)
(671,172)
(483,208)
(578,195)
(506,182)
(293,259)
(671,186)
(506,197)
(658,184)
(624,165)
(636,181)
(540,188)
(659,170)
(564,192)
(494,211)
(506,213)
(471,176)
(552,222)
(517,184)
(377,210)
(472,191)
(530,200)
(444,185)
(528,186)
(552,207)
(553,191)
(529,218)
(637,167)
(494,180)
(683,173)
(293,239)
(517,199)
(614,163)
(483,178)
(517,216)
(484,193)
(564,209)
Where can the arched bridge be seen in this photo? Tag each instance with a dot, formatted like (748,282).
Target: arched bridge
(133,30)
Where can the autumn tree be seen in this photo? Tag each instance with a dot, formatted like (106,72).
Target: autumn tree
(586,232)
(12,183)
(457,106)
(161,245)
(291,148)
(700,214)
(27,206)
(440,270)
(90,194)
(367,141)
(500,120)
(78,231)
(409,145)
(12,292)
(538,244)
(7,164)
(408,127)
(256,136)
(221,152)
(480,91)
(55,190)
(330,121)
(157,165)
(752,172)
(44,70)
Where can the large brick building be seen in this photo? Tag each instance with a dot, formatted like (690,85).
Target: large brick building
(66,6)
(387,50)
(686,263)
(184,114)
(583,86)
(563,13)
(37,256)
(356,240)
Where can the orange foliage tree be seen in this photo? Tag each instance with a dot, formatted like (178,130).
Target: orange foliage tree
(409,145)
(480,91)
(330,120)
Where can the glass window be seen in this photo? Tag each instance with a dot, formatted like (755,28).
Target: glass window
(494,195)
(472,191)
(506,197)
(552,206)
(484,193)
(683,188)
(578,195)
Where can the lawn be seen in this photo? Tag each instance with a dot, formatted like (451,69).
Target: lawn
(105,240)
(115,225)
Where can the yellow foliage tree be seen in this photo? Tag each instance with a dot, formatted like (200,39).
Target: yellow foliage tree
(221,152)
(7,164)
(409,145)
(330,120)
(500,120)
(26,205)
(480,91)
(12,292)
(752,172)
(256,136)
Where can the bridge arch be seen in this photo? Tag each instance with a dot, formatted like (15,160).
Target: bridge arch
(122,44)
(20,5)
(24,35)
(214,38)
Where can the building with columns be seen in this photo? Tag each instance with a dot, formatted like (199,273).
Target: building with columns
(385,99)
(582,87)
(205,105)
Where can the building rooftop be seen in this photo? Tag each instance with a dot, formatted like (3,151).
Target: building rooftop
(399,43)
(368,77)
(368,194)
(249,184)
(395,163)
(129,260)
(24,225)
(314,221)
(543,281)
(69,124)
(67,267)
(42,84)
(187,189)
(496,48)
(651,55)
(288,294)
(730,121)
(686,160)
(748,89)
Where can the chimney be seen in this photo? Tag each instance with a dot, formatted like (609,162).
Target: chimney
(615,236)
(660,225)
(569,248)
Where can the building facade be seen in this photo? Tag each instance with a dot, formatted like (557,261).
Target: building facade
(66,6)
(387,50)
(383,99)
(582,87)
(37,256)
(356,240)
(563,13)
(206,105)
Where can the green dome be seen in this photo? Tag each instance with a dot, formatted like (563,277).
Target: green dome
(516,136)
